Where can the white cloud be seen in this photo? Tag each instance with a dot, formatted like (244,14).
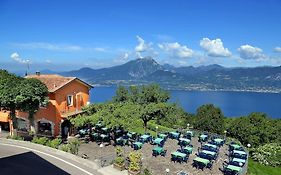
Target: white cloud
(126,56)
(251,53)
(277,49)
(99,49)
(214,48)
(175,49)
(48,46)
(57,47)
(48,61)
(16,57)
(142,46)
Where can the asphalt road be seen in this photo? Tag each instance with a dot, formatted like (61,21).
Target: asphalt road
(22,160)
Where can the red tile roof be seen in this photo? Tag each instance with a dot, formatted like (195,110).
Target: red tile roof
(55,82)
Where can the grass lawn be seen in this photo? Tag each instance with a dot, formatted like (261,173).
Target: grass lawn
(257,169)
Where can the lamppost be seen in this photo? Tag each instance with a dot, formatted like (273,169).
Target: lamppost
(167,171)
(188,126)
(225,131)
(248,145)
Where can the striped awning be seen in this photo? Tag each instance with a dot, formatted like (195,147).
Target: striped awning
(4,116)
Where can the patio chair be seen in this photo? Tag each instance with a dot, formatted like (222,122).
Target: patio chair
(154,153)
(163,153)
(174,158)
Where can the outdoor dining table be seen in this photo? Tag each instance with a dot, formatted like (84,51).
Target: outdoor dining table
(145,137)
(83,131)
(184,141)
(189,133)
(219,141)
(235,146)
(239,152)
(188,149)
(130,134)
(234,168)
(158,141)
(178,154)
(162,136)
(201,160)
(175,135)
(203,137)
(104,129)
(121,141)
(237,162)
(158,150)
(209,152)
(138,144)
(99,125)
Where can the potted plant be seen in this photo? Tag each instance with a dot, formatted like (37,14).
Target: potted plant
(135,162)
(119,162)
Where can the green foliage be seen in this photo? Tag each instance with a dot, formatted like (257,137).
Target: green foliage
(15,137)
(254,168)
(135,161)
(268,154)
(256,129)
(40,140)
(74,146)
(64,147)
(32,94)
(54,143)
(209,118)
(141,94)
(118,151)
(119,160)
(9,90)
(152,126)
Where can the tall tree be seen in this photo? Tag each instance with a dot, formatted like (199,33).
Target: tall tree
(210,118)
(32,95)
(9,89)
(153,94)
(122,94)
(152,111)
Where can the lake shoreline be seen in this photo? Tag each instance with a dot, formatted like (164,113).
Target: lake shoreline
(201,90)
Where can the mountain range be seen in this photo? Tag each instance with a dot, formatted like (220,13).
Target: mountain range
(211,77)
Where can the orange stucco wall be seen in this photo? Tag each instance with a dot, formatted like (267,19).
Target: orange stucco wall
(58,104)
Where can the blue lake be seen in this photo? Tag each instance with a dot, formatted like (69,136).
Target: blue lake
(232,103)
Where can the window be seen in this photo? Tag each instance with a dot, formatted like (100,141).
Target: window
(69,100)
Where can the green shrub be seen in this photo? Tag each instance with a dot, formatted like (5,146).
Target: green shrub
(54,143)
(119,160)
(40,140)
(15,137)
(64,147)
(269,154)
(73,146)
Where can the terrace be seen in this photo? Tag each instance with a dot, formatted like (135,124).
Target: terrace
(191,152)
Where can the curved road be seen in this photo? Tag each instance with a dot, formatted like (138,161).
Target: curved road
(16,159)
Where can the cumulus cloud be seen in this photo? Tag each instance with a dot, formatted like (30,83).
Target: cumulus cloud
(214,48)
(142,46)
(277,49)
(16,57)
(251,53)
(175,49)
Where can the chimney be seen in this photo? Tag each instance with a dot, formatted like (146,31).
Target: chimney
(37,73)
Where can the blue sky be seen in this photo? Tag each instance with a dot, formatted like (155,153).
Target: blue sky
(64,35)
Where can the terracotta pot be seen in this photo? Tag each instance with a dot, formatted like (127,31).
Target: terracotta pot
(133,172)
(119,167)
